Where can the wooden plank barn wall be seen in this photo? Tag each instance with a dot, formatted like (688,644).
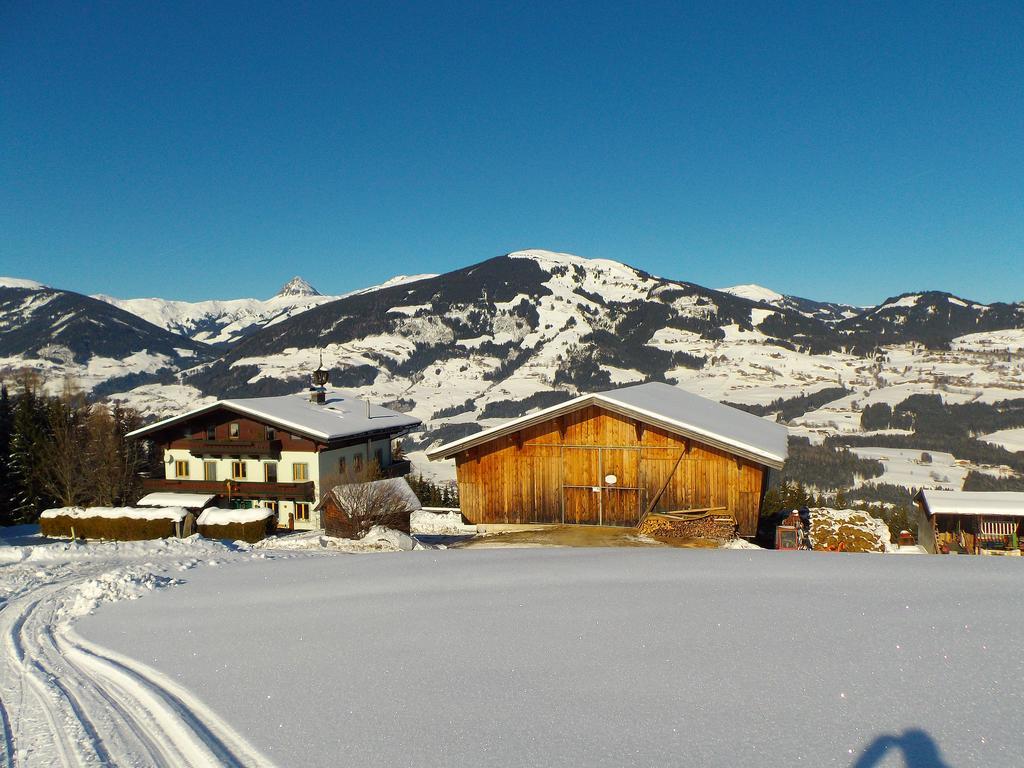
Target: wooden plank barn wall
(558,471)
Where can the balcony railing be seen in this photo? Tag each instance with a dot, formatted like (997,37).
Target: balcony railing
(234,488)
(201,447)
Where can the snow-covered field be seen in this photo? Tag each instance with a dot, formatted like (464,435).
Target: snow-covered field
(506,657)
(904,466)
(67,702)
(1010,439)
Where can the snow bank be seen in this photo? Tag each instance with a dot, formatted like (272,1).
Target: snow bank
(67,551)
(114,586)
(739,544)
(377,539)
(215,516)
(850,530)
(439,523)
(132,513)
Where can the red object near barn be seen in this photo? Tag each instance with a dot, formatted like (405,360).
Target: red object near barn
(789,534)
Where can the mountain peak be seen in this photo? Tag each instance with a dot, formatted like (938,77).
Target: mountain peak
(298,287)
(754,292)
(19,282)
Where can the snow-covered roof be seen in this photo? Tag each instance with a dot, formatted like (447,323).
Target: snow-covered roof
(392,485)
(341,415)
(215,516)
(1006,503)
(171,499)
(665,406)
(132,513)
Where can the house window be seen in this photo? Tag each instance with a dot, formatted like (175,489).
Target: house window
(358,462)
(210,470)
(301,510)
(234,430)
(300,471)
(211,433)
(238,470)
(270,432)
(270,472)
(181,468)
(270,505)
(342,466)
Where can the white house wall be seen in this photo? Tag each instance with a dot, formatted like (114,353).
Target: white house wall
(323,465)
(254,473)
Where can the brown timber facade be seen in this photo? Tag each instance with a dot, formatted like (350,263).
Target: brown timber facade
(595,466)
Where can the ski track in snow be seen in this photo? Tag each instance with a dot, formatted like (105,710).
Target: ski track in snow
(65,701)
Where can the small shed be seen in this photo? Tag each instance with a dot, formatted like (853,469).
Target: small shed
(970,522)
(612,458)
(348,511)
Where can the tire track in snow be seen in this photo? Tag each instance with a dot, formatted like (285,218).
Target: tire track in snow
(67,702)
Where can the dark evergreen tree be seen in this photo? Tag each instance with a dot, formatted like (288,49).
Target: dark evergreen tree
(28,448)
(6,428)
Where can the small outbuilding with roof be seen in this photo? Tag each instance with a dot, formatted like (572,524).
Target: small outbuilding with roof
(970,522)
(613,457)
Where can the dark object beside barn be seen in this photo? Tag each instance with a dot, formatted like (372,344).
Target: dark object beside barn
(613,458)
(349,511)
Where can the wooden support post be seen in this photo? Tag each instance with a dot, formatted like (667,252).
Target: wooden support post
(657,497)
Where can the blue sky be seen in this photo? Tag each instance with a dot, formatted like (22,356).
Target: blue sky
(214,150)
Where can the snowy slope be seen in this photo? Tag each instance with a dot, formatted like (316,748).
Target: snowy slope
(601,657)
(62,332)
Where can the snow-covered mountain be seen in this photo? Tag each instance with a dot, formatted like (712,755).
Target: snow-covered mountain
(527,329)
(464,349)
(63,332)
(221,322)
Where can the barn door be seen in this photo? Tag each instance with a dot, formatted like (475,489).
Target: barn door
(620,491)
(600,486)
(581,491)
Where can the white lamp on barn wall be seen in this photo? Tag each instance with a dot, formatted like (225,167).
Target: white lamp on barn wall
(610,479)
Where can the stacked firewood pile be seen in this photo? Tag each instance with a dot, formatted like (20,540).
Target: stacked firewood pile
(683,525)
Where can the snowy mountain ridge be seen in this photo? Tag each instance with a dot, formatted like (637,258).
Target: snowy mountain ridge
(221,322)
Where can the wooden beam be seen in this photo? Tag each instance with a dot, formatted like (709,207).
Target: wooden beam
(657,497)
(639,427)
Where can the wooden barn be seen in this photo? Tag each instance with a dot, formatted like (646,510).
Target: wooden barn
(612,457)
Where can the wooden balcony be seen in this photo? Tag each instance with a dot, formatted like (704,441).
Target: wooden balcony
(234,447)
(242,489)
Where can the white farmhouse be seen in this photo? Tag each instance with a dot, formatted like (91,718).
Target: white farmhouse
(276,452)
